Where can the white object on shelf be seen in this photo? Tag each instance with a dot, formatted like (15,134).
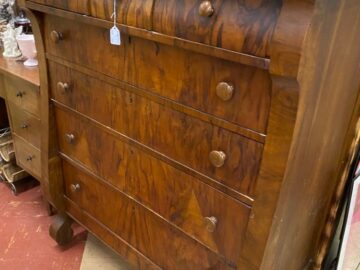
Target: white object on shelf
(28,49)
(9,40)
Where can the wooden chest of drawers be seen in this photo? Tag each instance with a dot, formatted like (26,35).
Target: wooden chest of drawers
(21,92)
(177,147)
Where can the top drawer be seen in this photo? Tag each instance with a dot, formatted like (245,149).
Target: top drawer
(135,13)
(236,25)
(24,95)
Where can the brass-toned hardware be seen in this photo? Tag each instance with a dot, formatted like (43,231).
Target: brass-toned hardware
(70,138)
(63,87)
(24,126)
(217,158)
(225,91)
(56,36)
(75,187)
(206,9)
(210,223)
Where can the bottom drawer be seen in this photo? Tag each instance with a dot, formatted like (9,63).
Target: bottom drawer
(162,243)
(27,156)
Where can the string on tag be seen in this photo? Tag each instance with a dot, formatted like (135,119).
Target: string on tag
(114,15)
(115,35)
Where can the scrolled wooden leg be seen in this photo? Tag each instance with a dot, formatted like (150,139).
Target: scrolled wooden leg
(60,230)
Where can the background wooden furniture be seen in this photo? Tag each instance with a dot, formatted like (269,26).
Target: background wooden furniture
(20,90)
(214,137)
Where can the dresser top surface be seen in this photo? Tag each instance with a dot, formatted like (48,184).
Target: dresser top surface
(10,66)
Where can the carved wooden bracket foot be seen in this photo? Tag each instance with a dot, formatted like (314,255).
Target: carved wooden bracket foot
(60,230)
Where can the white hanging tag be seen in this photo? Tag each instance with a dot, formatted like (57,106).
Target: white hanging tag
(115,35)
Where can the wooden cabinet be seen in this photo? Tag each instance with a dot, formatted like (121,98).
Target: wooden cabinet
(176,148)
(21,92)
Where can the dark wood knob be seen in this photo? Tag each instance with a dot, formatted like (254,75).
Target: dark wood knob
(63,87)
(56,36)
(225,91)
(206,9)
(217,158)
(20,94)
(75,187)
(29,158)
(70,138)
(210,223)
(24,126)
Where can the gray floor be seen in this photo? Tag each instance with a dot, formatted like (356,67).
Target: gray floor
(98,256)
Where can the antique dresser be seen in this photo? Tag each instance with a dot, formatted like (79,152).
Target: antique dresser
(20,90)
(206,139)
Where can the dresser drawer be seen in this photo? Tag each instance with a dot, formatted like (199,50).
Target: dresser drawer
(185,139)
(142,229)
(25,125)
(23,94)
(230,91)
(242,26)
(136,13)
(27,156)
(178,197)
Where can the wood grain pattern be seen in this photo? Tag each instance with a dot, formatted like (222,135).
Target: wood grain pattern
(178,197)
(252,21)
(27,156)
(246,59)
(15,69)
(326,125)
(23,94)
(165,75)
(137,13)
(25,125)
(143,230)
(158,127)
(169,72)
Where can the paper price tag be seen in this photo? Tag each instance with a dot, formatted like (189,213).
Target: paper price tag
(115,36)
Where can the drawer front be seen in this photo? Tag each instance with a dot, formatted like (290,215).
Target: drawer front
(178,197)
(242,26)
(24,95)
(135,13)
(227,90)
(25,125)
(27,157)
(188,140)
(146,232)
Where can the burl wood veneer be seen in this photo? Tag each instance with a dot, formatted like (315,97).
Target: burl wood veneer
(214,137)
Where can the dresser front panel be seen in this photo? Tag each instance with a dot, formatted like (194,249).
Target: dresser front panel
(145,231)
(242,26)
(177,135)
(186,77)
(25,125)
(24,95)
(27,156)
(178,197)
(136,13)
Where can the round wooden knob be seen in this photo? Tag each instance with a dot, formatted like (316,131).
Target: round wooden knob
(63,87)
(210,223)
(56,36)
(217,158)
(70,138)
(29,158)
(75,187)
(225,91)
(206,9)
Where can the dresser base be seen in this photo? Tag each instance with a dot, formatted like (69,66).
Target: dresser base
(60,230)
